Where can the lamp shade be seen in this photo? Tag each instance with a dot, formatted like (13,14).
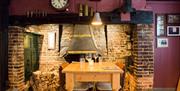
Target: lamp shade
(96,19)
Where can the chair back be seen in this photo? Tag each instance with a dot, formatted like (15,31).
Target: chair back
(62,76)
(178,87)
(120,65)
(122,77)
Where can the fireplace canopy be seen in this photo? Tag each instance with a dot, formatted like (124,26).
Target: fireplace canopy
(82,41)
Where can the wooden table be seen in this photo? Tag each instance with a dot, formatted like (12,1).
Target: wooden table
(104,72)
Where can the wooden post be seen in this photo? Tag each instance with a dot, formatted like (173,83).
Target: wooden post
(3,43)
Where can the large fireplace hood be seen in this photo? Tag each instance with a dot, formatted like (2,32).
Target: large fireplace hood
(82,41)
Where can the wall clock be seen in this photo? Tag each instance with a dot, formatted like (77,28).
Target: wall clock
(59,4)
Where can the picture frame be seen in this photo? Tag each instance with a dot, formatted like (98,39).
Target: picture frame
(173,18)
(160,25)
(162,42)
(173,30)
(51,40)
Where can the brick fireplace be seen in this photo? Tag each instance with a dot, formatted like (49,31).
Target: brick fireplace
(123,40)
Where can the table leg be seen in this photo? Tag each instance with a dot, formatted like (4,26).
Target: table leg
(69,81)
(116,81)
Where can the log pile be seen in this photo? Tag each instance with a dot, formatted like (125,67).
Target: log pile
(45,81)
(130,83)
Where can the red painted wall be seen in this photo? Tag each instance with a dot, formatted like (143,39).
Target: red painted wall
(167,60)
(20,7)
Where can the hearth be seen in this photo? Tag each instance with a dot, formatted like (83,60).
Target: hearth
(138,44)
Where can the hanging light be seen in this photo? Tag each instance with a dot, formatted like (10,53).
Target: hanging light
(96,19)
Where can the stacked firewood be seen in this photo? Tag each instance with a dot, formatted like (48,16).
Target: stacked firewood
(130,83)
(45,81)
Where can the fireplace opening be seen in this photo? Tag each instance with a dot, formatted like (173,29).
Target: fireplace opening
(73,57)
(76,57)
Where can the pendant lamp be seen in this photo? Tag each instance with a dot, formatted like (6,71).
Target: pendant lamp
(96,18)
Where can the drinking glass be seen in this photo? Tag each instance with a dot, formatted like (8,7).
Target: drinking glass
(95,56)
(82,62)
(88,57)
(100,60)
(91,64)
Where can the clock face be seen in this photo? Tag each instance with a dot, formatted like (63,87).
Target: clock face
(59,4)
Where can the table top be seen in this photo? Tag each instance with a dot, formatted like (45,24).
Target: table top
(103,67)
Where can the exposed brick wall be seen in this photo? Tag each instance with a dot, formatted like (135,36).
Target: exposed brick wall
(118,41)
(143,56)
(66,35)
(16,57)
(99,38)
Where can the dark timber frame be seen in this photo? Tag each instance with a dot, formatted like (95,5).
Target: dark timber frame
(3,43)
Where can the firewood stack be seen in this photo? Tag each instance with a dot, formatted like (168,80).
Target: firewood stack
(130,83)
(45,81)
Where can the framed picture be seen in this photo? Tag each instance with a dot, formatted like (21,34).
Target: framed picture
(173,18)
(173,30)
(162,42)
(51,40)
(160,25)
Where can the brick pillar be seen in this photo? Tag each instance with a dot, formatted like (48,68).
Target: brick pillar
(143,57)
(16,57)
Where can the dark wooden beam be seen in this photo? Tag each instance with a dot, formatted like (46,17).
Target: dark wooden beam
(71,18)
(3,43)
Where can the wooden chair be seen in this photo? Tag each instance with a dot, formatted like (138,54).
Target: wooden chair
(122,78)
(178,87)
(62,76)
(105,86)
(81,86)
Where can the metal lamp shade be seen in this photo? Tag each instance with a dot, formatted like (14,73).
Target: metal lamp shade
(96,19)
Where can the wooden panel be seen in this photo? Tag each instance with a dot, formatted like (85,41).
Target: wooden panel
(93,77)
